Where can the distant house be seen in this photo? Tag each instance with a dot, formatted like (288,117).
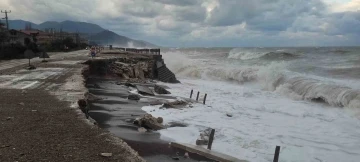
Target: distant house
(16,36)
(41,36)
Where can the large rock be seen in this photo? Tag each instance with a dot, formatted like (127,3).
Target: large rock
(149,122)
(160,90)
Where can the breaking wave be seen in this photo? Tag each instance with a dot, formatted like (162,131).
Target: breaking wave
(243,54)
(272,77)
(316,90)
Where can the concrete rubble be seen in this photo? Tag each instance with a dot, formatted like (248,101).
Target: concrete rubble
(175,104)
(160,90)
(150,122)
(204,137)
(134,97)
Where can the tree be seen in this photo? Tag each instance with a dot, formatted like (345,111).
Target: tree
(69,42)
(4,36)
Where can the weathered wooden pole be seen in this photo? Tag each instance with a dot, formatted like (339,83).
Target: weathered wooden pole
(191,93)
(211,138)
(197,97)
(205,98)
(277,152)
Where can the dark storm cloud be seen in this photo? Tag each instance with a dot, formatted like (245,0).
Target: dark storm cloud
(345,23)
(179,2)
(176,21)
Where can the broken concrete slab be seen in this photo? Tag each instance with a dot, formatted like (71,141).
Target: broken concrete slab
(161,90)
(144,90)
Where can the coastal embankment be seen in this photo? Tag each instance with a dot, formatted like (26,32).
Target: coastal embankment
(123,83)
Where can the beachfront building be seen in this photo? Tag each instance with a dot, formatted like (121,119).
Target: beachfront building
(16,36)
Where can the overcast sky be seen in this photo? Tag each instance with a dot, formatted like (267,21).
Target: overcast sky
(179,23)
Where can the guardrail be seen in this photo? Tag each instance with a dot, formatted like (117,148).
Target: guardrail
(143,50)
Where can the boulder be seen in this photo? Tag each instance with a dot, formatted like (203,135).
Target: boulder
(134,97)
(160,120)
(160,90)
(149,122)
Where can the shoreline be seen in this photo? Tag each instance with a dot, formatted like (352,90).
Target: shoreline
(115,113)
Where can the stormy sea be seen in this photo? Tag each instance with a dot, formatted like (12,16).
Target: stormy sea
(306,100)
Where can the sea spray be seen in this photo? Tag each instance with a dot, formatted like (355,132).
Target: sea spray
(273,76)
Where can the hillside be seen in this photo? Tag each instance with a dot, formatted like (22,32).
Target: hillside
(108,37)
(72,26)
(20,24)
(94,32)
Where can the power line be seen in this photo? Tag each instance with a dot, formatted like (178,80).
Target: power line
(6,17)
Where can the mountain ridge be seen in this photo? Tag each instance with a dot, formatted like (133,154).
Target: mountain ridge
(94,32)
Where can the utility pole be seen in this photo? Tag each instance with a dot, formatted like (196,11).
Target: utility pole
(6,17)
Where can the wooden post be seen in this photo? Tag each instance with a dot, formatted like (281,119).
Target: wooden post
(197,97)
(205,98)
(211,138)
(277,152)
(191,93)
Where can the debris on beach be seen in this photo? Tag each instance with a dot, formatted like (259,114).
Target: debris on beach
(149,122)
(161,90)
(204,137)
(176,124)
(174,104)
(106,154)
(144,90)
(142,130)
(134,97)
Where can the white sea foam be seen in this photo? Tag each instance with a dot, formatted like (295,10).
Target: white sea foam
(270,77)
(270,106)
(307,132)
